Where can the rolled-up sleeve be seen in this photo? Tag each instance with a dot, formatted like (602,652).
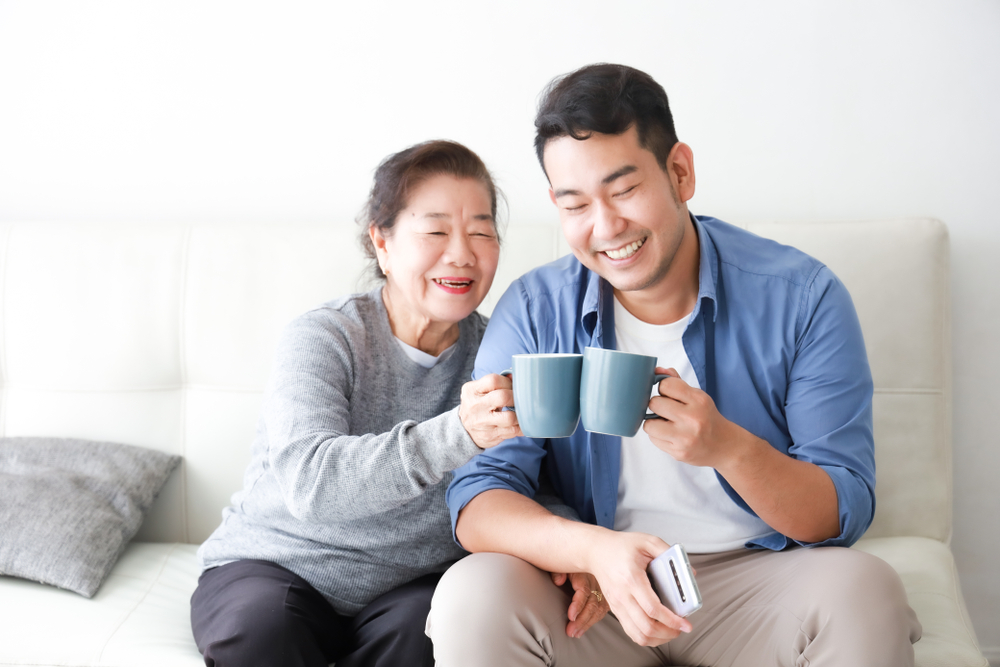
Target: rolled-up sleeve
(829,402)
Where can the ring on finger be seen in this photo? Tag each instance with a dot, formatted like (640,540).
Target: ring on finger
(598,595)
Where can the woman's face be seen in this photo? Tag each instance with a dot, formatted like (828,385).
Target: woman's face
(442,253)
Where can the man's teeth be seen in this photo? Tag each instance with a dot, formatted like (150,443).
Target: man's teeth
(627,251)
(453,283)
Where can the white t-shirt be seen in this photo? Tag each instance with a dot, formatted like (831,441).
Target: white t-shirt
(421,357)
(677,502)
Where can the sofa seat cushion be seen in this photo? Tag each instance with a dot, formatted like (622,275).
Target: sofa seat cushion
(928,572)
(140,616)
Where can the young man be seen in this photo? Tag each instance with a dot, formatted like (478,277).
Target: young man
(763,463)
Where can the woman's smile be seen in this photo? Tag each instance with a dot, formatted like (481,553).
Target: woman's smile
(454,285)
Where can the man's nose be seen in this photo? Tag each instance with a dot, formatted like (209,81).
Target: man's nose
(608,221)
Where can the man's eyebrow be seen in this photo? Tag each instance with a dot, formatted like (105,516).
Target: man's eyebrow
(627,169)
(614,176)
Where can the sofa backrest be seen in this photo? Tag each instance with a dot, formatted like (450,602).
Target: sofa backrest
(162,336)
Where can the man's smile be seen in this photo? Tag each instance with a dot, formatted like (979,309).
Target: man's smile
(625,251)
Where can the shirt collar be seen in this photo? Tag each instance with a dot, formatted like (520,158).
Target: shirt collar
(708,269)
(599,291)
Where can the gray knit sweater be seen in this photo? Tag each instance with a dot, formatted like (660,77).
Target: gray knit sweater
(352,457)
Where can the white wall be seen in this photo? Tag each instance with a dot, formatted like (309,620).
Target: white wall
(182,110)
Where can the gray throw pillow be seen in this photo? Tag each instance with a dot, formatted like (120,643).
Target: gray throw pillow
(69,507)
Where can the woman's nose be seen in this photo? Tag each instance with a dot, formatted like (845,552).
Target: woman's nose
(459,251)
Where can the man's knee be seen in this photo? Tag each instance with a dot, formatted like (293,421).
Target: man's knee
(854,580)
(494,605)
(482,587)
(860,598)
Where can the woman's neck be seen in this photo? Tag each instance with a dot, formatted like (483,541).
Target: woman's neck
(417,331)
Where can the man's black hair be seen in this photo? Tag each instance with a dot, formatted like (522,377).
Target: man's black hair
(607,99)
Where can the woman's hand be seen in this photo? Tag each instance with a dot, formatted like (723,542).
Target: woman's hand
(588,605)
(482,411)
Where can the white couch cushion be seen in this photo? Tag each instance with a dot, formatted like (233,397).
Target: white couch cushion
(928,572)
(140,616)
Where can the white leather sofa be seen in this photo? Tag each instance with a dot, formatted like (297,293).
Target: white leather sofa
(161,336)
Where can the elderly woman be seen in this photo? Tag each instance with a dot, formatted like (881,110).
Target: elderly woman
(331,551)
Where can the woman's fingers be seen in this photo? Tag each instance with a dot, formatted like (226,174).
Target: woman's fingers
(482,413)
(588,605)
(593,610)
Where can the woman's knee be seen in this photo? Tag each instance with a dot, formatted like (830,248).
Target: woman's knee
(257,613)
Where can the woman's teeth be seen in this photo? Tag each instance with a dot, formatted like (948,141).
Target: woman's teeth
(627,251)
(453,283)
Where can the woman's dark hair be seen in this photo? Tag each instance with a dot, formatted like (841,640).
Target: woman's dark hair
(400,173)
(607,99)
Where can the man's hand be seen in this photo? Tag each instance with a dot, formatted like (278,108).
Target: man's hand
(795,498)
(482,411)
(618,561)
(692,429)
(588,605)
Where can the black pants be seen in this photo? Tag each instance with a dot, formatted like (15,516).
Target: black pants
(253,612)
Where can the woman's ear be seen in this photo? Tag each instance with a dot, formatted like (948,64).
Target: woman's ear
(381,252)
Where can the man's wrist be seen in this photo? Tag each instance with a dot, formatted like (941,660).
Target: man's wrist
(744,453)
(585,539)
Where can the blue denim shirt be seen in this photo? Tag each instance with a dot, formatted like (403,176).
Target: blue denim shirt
(774,340)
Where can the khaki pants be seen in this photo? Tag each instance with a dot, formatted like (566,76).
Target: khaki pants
(815,607)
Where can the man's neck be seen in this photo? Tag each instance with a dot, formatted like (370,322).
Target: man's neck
(674,296)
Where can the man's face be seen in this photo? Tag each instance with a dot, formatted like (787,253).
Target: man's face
(619,209)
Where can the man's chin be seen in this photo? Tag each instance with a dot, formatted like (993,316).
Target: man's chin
(625,279)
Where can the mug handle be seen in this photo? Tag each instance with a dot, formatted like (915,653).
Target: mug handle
(656,380)
(508,373)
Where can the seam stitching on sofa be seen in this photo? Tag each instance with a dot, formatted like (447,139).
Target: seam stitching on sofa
(182,352)
(957,596)
(946,338)
(138,602)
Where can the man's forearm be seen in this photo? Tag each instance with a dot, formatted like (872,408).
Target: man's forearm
(796,498)
(504,521)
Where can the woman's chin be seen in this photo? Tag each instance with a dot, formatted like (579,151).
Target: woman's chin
(455,311)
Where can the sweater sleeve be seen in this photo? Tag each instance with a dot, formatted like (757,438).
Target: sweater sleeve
(326,474)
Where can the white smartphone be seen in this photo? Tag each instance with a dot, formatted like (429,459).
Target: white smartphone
(672,579)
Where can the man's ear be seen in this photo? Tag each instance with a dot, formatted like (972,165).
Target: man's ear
(552,196)
(680,166)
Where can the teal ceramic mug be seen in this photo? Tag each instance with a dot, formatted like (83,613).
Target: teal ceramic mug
(547,393)
(615,388)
